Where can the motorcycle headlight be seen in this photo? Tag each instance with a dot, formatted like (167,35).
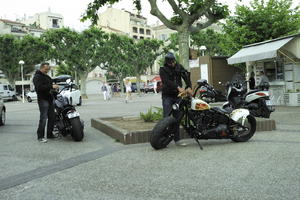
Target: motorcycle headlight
(175,106)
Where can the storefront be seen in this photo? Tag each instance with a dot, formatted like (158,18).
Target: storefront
(280,60)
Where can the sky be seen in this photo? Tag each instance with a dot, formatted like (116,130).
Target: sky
(72,10)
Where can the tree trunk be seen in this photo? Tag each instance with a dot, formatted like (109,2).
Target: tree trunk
(138,82)
(183,40)
(83,77)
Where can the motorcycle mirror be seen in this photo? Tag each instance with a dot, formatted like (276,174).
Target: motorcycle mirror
(68,81)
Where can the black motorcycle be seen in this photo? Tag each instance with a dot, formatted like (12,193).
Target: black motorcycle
(67,118)
(209,94)
(201,121)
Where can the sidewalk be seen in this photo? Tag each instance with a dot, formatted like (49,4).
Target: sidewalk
(266,167)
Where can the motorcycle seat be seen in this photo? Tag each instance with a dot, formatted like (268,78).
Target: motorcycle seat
(221,110)
(252,91)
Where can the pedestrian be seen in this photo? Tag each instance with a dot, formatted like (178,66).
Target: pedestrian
(264,81)
(171,75)
(104,90)
(252,81)
(128,90)
(155,87)
(43,84)
(109,91)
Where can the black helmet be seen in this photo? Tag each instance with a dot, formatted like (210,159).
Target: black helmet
(169,58)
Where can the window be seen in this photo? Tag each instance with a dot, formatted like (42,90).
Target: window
(55,23)
(163,37)
(148,32)
(274,70)
(134,29)
(142,31)
(141,37)
(135,37)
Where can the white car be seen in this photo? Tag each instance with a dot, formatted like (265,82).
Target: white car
(74,96)
(2,111)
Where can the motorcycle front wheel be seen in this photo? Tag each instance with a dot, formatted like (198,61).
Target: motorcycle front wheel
(161,136)
(77,129)
(250,122)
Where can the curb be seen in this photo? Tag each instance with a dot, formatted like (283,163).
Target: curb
(143,136)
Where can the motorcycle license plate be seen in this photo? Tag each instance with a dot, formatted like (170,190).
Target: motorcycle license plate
(269,102)
(73,115)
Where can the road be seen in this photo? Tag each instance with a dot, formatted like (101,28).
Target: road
(266,167)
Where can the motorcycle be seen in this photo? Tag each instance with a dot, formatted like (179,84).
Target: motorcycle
(257,101)
(201,121)
(67,119)
(209,94)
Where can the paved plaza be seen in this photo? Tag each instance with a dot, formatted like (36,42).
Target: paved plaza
(266,167)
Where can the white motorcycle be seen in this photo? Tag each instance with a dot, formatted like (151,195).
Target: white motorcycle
(256,101)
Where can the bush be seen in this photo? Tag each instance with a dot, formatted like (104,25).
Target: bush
(151,116)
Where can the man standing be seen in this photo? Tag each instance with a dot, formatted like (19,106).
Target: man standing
(43,84)
(264,81)
(171,75)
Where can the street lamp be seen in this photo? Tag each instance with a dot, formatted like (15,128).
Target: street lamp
(202,49)
(21,62)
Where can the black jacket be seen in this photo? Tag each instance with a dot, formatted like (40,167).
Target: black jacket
(43,85)
(171,78)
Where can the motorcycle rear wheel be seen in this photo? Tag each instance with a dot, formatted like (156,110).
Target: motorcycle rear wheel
(77,129)
(251,124)
(160,136)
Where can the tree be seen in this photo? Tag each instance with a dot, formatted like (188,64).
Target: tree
(30,49)
(210,39)
(186,19)
(81,52)
(262,20)
(117,57)
(148,51)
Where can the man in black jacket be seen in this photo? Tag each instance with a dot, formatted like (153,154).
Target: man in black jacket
(171,75)
(43,84)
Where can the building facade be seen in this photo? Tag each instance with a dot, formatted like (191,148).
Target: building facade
(124,22)
(45,20)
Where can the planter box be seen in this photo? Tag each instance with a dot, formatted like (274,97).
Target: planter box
(143,135)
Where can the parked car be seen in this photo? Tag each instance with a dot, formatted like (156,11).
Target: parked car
(74,96)
(31,96)
(2,111)
(134,87)
(7,92)
(150,87)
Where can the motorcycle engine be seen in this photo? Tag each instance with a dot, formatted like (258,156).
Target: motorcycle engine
(201,119)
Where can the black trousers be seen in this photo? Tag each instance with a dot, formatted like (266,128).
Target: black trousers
(46,112)
(167,103)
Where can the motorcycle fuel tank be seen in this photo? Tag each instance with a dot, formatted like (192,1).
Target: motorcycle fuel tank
(198,104)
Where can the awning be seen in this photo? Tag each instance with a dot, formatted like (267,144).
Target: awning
(258,51)
(156,78)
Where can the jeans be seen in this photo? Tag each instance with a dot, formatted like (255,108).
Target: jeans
(46,112)
(167,103)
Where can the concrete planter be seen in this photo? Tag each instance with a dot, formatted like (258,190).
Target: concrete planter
(143,135)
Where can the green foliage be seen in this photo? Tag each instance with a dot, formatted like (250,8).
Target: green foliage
(185,14)
(263,20)
(210,39)
(30,49)
(151,116)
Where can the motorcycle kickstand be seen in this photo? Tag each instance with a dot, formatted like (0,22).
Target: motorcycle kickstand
(199,144)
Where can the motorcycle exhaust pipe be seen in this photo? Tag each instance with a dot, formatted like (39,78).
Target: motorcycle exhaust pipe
(220,128)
